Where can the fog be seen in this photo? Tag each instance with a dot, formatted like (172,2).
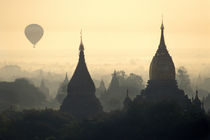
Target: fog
(11,72)
(53,81)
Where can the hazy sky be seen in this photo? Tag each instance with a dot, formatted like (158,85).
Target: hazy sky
(117,34)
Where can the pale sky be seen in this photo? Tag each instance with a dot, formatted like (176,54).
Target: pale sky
(117,34)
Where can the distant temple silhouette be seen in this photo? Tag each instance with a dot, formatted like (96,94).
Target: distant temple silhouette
(127,101)
(162,85)
(196,102)
(62,90)
(81,101)
(112,99)
(101,90)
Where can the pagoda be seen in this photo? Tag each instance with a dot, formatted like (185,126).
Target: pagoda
(162,85)
(81,101)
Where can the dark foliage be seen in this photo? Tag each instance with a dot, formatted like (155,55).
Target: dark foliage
(33,124)
(146,121)
(20,94)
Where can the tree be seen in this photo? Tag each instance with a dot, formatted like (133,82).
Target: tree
(183,80)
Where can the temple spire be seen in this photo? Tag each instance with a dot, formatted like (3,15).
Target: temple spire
(66,78)
(81,47)
(66,75)
(81,101)
(196,94)
(127,102)
(162,40)
(162,26)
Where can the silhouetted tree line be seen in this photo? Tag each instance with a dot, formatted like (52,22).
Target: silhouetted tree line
(147,121)
(20,94)
(184,82)
(111,98)
(142,120)
(202,85)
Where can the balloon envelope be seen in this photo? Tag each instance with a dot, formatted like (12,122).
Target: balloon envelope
(34,33)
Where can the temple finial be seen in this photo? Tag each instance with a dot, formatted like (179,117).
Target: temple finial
(196,94)
(66,75)
(81,47)
(66,78)
(162,41)
(81,35)
(162,26)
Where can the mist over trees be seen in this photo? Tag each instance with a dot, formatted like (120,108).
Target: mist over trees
(137,122)
(111,93)
(205,84)
(62,93)
(53,87)
(21,94)
(112,98)
(183,80)
(51,80)
(201,85)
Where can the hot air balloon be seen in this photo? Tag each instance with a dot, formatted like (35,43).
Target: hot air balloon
(34,33)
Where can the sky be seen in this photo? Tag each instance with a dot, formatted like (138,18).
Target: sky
(117,34)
